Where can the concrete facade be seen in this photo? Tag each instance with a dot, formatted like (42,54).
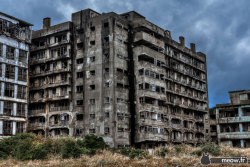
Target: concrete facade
(233,120)
(128,81)
(15,39)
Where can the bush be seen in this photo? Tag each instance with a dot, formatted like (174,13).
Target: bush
(93,142)
(23,150)
(41,151)
(28,146)
(162,152)
(210,148)
(71,149)
(133,153)
(178,149)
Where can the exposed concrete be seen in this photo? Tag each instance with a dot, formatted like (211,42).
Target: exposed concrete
(128,82)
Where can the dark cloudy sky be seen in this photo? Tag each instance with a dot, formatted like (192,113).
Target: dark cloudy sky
(220,29)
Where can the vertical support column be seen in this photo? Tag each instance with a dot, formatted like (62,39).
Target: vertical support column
(218,125)
(13,128)
(16,54)
(242,143)
(15,91)
(1,127)
(4,50)
(3,70)
(1,107)
(16,73)
(14,109)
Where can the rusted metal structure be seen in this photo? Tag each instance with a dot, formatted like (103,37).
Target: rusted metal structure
(126,80)
(15,39)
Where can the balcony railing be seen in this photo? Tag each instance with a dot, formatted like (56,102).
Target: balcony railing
(60,108)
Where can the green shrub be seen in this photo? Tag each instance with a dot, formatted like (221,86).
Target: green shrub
(137,153)
(210,148)
(3,155)
(88,151)
(178,149)
(162,152)
(93,142)
(23,150)
(70,149)
(133,153)
(41,151)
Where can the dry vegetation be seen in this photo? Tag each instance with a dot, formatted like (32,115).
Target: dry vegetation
(181,155)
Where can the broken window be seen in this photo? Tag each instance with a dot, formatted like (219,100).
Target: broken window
(92,73)
(62,51)
(79,102)
(106,70)
(120,129)
(79,132)
(106,24)
(8,108)
(10,52)
(9,90)
(106,130)
(79,61)
(91,131)
(22,56)
(64,64)
(79,117)
(7,127)
(80,45)
(92,116)
(19,127)
(92,101)
(106,39)
(61,38)
(21,92)
(79,74)
(92,59)
(22,74)
(92,87)
(92,28)
(106,114)
(106,100)
(79,89)
(10,71)
(92,43)
(106,84)
(21,108)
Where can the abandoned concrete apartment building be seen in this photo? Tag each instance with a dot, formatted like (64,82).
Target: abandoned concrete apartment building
(118,76)
(230,123)
(15,38)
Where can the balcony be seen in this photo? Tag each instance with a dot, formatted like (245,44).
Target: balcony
(35,112)
(57,96)
(59,108)
(234,119)
(36,86)
(59,123)
(142,36)
(143,136)
(234,135)
(176,126)
(36,125)
(153,94)
(45,59)
(49,72)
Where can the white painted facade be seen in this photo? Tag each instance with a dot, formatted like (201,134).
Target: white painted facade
(14,89)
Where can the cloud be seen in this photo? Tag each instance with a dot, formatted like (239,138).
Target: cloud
(65,9)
